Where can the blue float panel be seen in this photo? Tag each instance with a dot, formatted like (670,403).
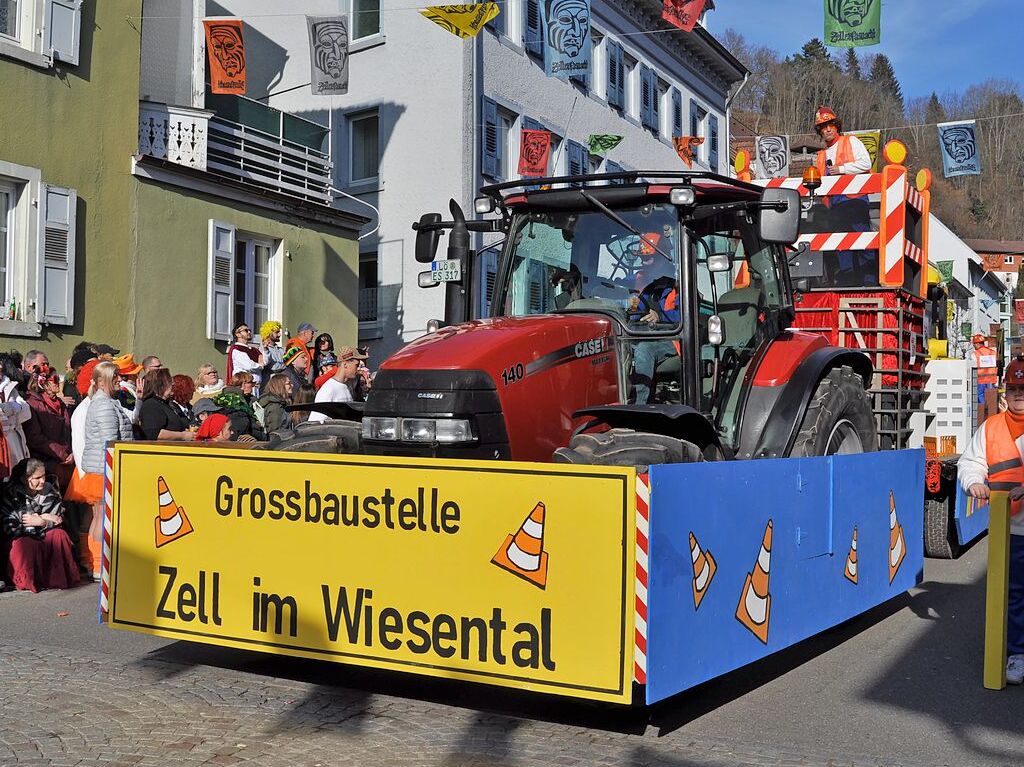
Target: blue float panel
(971,520)
(724,602)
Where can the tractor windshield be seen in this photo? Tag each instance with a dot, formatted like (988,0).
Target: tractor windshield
(565,261)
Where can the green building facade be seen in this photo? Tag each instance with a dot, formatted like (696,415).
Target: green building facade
(117,228)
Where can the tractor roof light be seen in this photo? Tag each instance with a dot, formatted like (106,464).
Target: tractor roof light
(483,204)
(682,195)
(811,178)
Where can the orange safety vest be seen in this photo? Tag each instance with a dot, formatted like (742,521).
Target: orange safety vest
(670,304)
(1005,468)
(985,363)
(844,154)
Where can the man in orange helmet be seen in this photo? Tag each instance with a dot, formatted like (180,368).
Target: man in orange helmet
(993,461)
(842,155)
(984,365)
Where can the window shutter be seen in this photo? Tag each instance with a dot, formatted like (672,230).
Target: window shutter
(615,87)
(221,281)
(713,143)
(576,157)
(533,37)
(613,167)
(694,118)
(677,113)
(655,105)
(62,27)
(645,95)
(490,141)
(55,302)
(488,274)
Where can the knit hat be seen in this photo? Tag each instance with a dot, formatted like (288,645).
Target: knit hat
(291,353)
(85,376)
(212,426)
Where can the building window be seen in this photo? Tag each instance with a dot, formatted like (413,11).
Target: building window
(6,235)
(698,119)
(1008,260)
(40,31)
(365,18)
(631,85)
(364,149)
(9,18)
(253,259)
(496,150)
(369,292)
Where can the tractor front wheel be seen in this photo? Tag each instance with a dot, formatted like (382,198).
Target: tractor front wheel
(838,420)
(626,447)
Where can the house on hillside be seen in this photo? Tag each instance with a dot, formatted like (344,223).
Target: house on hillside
(154,224)
(1003,258)
(429,117)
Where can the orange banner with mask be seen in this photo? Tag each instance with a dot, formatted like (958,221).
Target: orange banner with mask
(225,51)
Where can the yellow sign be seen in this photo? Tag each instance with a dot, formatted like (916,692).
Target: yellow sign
(512,574)
(871,140)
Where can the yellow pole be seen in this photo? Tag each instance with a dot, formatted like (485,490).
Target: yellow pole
(997,591)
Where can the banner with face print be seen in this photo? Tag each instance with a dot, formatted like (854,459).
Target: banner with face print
(462,20)
(225,50)
(871,139)
(566,25)
(682,13)
(328,54)
(959,146)
(534,151)
(686,147)
(772,156)
(849,23)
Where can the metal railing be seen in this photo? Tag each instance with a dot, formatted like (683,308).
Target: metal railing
(280,155)
(369,300)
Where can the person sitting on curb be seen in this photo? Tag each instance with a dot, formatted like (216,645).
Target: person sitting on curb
(993,461)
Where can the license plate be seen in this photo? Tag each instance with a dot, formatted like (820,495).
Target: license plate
(449,270)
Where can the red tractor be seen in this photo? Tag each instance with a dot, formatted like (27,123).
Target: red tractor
(636,318)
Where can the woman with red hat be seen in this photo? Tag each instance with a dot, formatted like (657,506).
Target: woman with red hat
(216,428)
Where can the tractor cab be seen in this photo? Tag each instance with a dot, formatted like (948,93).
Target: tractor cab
(687,270)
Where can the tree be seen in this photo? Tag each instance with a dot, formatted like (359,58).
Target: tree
(933,111)
(815,52)
(853,64)
(884,77)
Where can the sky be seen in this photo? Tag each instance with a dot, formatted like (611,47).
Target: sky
(934,45)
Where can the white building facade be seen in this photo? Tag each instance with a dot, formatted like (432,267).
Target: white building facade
(429,117)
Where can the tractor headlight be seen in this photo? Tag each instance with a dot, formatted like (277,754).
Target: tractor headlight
(445,430)
(715,335)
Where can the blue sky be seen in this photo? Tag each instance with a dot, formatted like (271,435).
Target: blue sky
(938,45)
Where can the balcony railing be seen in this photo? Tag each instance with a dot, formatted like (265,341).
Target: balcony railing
(243,140)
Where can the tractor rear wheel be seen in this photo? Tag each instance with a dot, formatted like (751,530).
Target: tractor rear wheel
(626,447)
(838,420)
(940,537)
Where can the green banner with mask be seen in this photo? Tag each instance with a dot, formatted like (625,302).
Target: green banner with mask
(850,23)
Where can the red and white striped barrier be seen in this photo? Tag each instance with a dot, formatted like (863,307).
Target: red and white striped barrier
(916,200)
(862,183)
(911,251)
(108,510)
(643,512)
(841,241)
(893,237)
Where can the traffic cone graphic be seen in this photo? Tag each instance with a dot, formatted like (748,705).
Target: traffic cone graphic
(851,560)
(897,546)
(755,602)
(523,554)
(171,522)
(704,568)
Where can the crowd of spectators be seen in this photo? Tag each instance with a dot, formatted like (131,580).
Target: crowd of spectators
(54,430)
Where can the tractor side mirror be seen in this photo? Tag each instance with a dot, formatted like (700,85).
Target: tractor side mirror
(427,237)
(780,215)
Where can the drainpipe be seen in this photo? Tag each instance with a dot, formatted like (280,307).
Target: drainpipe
(728,109)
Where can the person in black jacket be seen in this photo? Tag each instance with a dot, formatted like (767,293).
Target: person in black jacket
(158,418)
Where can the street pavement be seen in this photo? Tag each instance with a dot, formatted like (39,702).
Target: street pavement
(900,687)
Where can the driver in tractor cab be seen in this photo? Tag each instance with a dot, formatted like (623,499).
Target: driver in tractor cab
(653,307)
(845,155)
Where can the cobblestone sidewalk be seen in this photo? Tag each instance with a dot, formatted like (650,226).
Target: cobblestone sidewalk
(95,710)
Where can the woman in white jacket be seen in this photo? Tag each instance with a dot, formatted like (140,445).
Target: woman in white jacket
(105,422)
(14,411)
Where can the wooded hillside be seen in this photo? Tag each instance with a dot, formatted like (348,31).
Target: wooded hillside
(782,94)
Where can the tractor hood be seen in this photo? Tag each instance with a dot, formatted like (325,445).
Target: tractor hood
(520,378)
(497,345)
